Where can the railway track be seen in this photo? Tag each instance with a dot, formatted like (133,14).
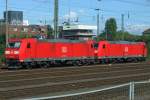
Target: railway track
(28,83)
(10,75)
(56,69)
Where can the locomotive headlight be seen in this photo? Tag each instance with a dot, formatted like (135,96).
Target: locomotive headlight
(7,52)
(16,52)
(96,51)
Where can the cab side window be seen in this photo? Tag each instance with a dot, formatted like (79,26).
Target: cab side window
(104,46)
(28,45)
(95,45)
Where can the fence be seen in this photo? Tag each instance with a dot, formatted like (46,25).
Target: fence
(129,91)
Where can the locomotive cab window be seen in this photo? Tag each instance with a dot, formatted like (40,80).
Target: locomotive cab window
(14,44)
(95,45)
(28,45)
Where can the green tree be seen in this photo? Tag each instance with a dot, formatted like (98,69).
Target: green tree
(127,36)
(2,39)
(49,31)
(146,39)
(111,28)
(2,47)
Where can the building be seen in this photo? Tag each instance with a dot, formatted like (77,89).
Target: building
(19,27)
(31,29)
(2,26)
(81,32)
(14,17)
(25,22)
(2,21)
(146,32)
(20,30)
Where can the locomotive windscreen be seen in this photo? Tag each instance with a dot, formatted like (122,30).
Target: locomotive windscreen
(14,44)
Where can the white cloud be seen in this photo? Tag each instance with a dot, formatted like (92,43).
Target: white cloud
(72,15)
(137,28)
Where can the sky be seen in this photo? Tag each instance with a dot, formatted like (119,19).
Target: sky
(137,16)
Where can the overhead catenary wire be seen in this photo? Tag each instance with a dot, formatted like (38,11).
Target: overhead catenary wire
(42,10)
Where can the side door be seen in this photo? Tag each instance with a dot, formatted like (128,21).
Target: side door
(28,50)
(104,50)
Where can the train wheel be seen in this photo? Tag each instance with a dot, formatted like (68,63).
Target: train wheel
(45,65)
(103,61)
(29,65)
(107,61)
(87,62)
(77,63)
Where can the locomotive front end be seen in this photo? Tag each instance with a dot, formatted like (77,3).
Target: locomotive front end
(12,52)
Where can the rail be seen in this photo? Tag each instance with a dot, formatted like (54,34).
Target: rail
(128,91)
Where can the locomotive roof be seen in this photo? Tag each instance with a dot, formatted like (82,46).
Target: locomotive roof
(62,40)
(123,42)
(14,40)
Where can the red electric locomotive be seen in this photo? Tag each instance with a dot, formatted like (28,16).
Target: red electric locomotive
(31,52)
(109,51)
(28,52)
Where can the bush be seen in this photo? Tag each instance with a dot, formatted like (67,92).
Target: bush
(148,46)
(2,48)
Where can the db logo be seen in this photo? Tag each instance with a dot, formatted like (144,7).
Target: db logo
(126,49)
(64,50)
